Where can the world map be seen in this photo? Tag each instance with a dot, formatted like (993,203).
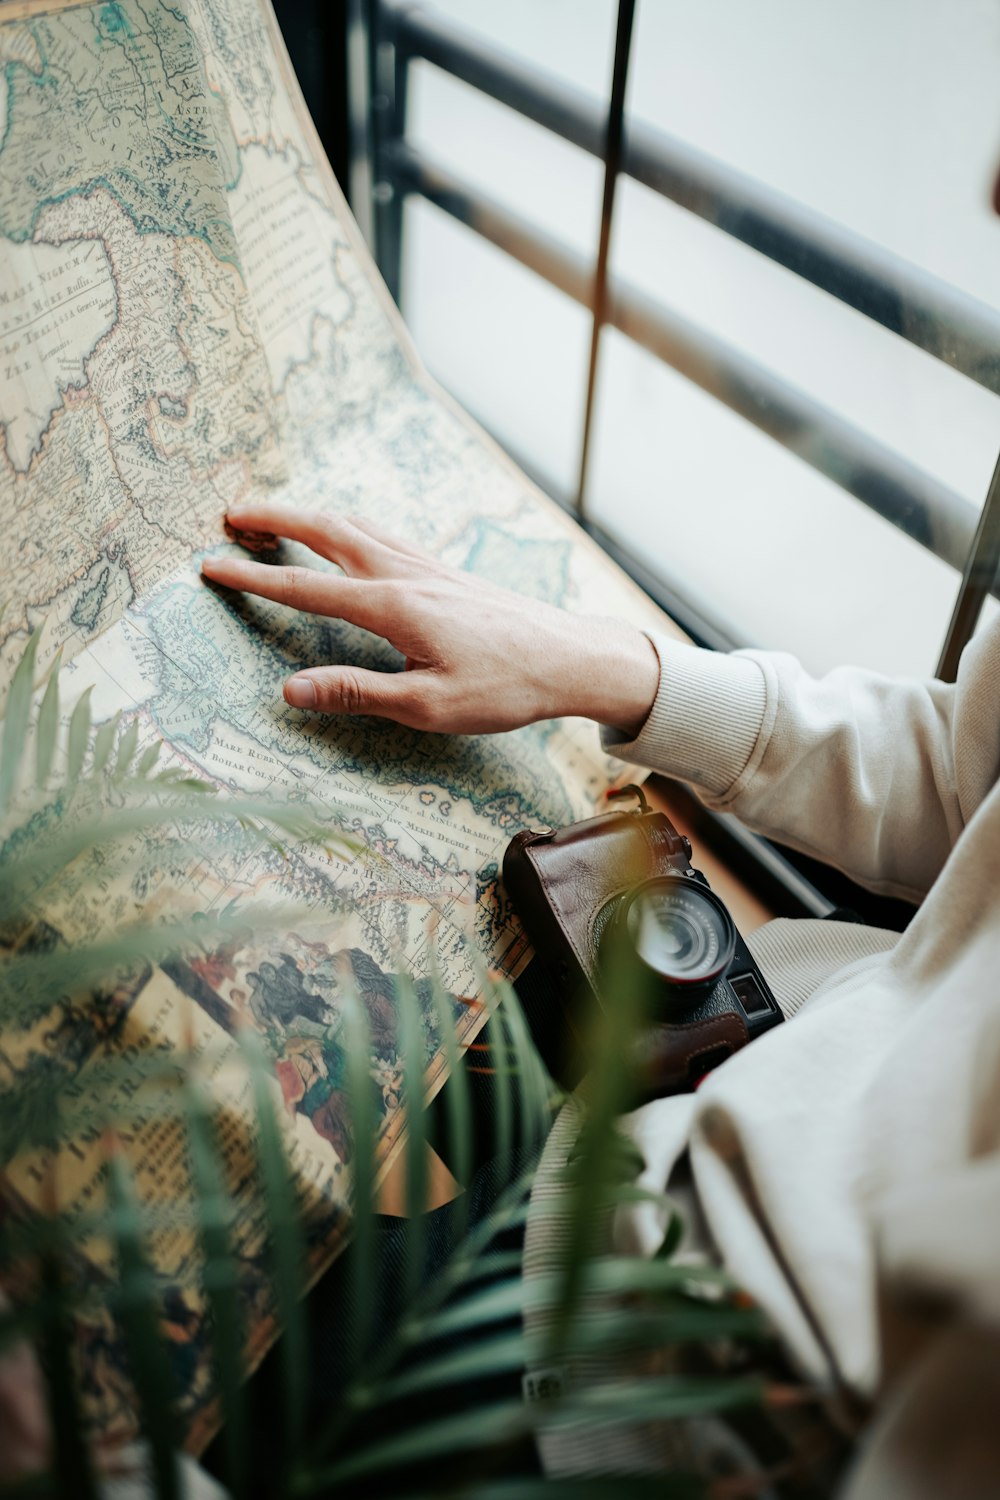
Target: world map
(189,318)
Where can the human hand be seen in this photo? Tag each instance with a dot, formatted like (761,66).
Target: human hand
(479,658)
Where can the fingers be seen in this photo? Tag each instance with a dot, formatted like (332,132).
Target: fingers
(394,543)
(407,697)
(372,595)
(328,535)
(355,546)
(358,602)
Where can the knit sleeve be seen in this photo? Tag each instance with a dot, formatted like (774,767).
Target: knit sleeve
(875,775)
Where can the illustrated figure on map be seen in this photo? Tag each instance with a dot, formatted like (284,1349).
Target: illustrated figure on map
(332,1120)
(311,1063)
(377,991)
(278,996)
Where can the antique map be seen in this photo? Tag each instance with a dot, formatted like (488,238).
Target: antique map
(188,317)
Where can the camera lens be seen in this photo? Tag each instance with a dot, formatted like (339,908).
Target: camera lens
(680,930)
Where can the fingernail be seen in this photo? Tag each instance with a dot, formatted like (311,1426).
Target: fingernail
(300,692)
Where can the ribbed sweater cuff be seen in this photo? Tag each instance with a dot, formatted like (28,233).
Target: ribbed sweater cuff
(705,721)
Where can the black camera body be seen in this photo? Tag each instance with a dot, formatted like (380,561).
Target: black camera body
(614,902)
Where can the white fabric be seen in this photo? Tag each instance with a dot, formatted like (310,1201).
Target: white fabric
(842,1135)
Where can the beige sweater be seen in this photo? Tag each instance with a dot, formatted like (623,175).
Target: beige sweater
(862,1139)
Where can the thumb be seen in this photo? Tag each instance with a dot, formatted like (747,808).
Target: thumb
(356,690)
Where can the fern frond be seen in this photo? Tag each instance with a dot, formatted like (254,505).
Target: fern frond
(77,740)
(16,715)
(72,1462)
(137,1309)
(127,747)
(456,1096)
(30,982)
(148,759)
(503,1422)
(362,1164)
(413,1056)
(287,1247)
(221,1279)
(30,866)
(104,741)
(47,728)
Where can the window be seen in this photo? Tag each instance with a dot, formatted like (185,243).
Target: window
(796,410)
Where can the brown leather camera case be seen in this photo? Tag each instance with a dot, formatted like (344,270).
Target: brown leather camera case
(560,882)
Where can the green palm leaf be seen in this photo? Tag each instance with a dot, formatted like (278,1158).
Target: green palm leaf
(78,739)
(500,1423)
(47,728)
(28,870)
(148,759)
(359,1090)
(654,1398)
(538,1091)
(126,751)
(221,1279)
(490,1355)
(73,1471)
(137,1309)
(28,982)
(412,1052)
(104,741)
(503,1299)
(287,1246)
(16,716)
(458,1109)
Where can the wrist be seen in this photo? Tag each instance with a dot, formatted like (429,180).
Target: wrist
(621,676)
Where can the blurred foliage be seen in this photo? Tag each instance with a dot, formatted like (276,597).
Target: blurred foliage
(66,788)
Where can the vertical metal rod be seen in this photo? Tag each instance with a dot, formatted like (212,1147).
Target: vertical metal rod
(380,103)
(393,78)
(978,580)
(612,166)
(385,121)
(361,176)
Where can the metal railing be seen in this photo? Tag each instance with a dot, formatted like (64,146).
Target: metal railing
(911,303)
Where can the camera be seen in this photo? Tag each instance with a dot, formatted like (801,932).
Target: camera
(615,910)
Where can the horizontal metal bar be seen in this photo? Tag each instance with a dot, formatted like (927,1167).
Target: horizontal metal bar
(931,513)
(699,621)
(412,172)
(556,106)
(776,865)
(919,505)
(955,328)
